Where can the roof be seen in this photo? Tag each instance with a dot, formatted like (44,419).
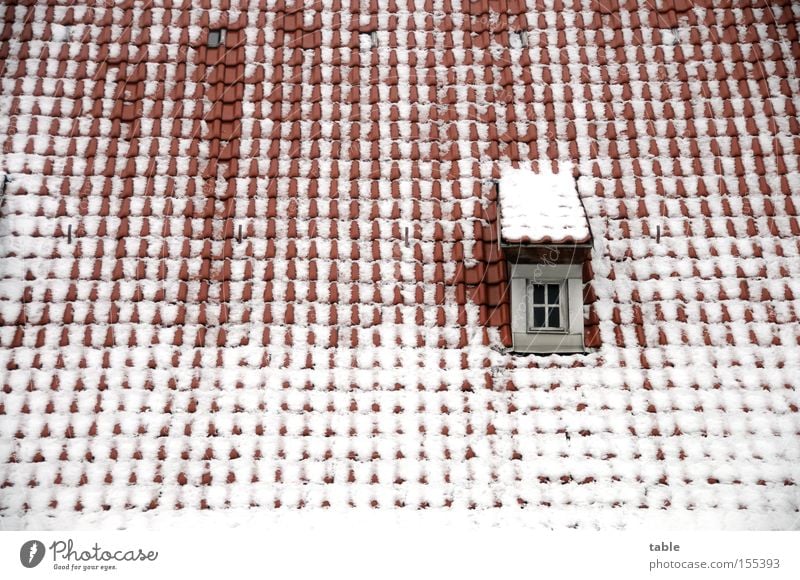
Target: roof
(541,208)
(266,276)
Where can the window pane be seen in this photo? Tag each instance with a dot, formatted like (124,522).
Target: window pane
(553,291)
(538,293)
(538,317)
(554,318)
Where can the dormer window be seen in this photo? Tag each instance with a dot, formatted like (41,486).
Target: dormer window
(546,239)
(216,38)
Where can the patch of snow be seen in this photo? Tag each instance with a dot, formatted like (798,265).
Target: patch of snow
(541,207)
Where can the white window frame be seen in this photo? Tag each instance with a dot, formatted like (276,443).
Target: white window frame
(569,338)
(563,306)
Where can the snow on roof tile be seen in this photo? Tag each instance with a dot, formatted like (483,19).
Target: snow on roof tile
(541,207)
(346,348)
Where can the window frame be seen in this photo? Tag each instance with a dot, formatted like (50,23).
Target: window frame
(563,306)
(220,40)
(569,339)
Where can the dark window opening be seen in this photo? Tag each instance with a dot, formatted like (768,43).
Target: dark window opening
(215,38)
(545,306)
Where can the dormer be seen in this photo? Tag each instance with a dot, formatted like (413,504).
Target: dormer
(546,239)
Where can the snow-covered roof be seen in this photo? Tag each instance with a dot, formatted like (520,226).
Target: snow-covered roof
(347,349)
(541,207)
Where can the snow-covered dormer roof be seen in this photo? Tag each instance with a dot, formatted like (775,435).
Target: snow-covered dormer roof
(541,207)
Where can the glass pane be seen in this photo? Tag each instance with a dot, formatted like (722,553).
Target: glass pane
(552,293)
(538,293)
(538,317)
(554,318)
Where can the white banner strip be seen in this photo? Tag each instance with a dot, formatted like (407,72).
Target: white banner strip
(385,546)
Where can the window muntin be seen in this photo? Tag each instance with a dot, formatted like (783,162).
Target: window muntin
(546,302)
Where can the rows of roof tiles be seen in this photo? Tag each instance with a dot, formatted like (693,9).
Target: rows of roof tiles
(366,282)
